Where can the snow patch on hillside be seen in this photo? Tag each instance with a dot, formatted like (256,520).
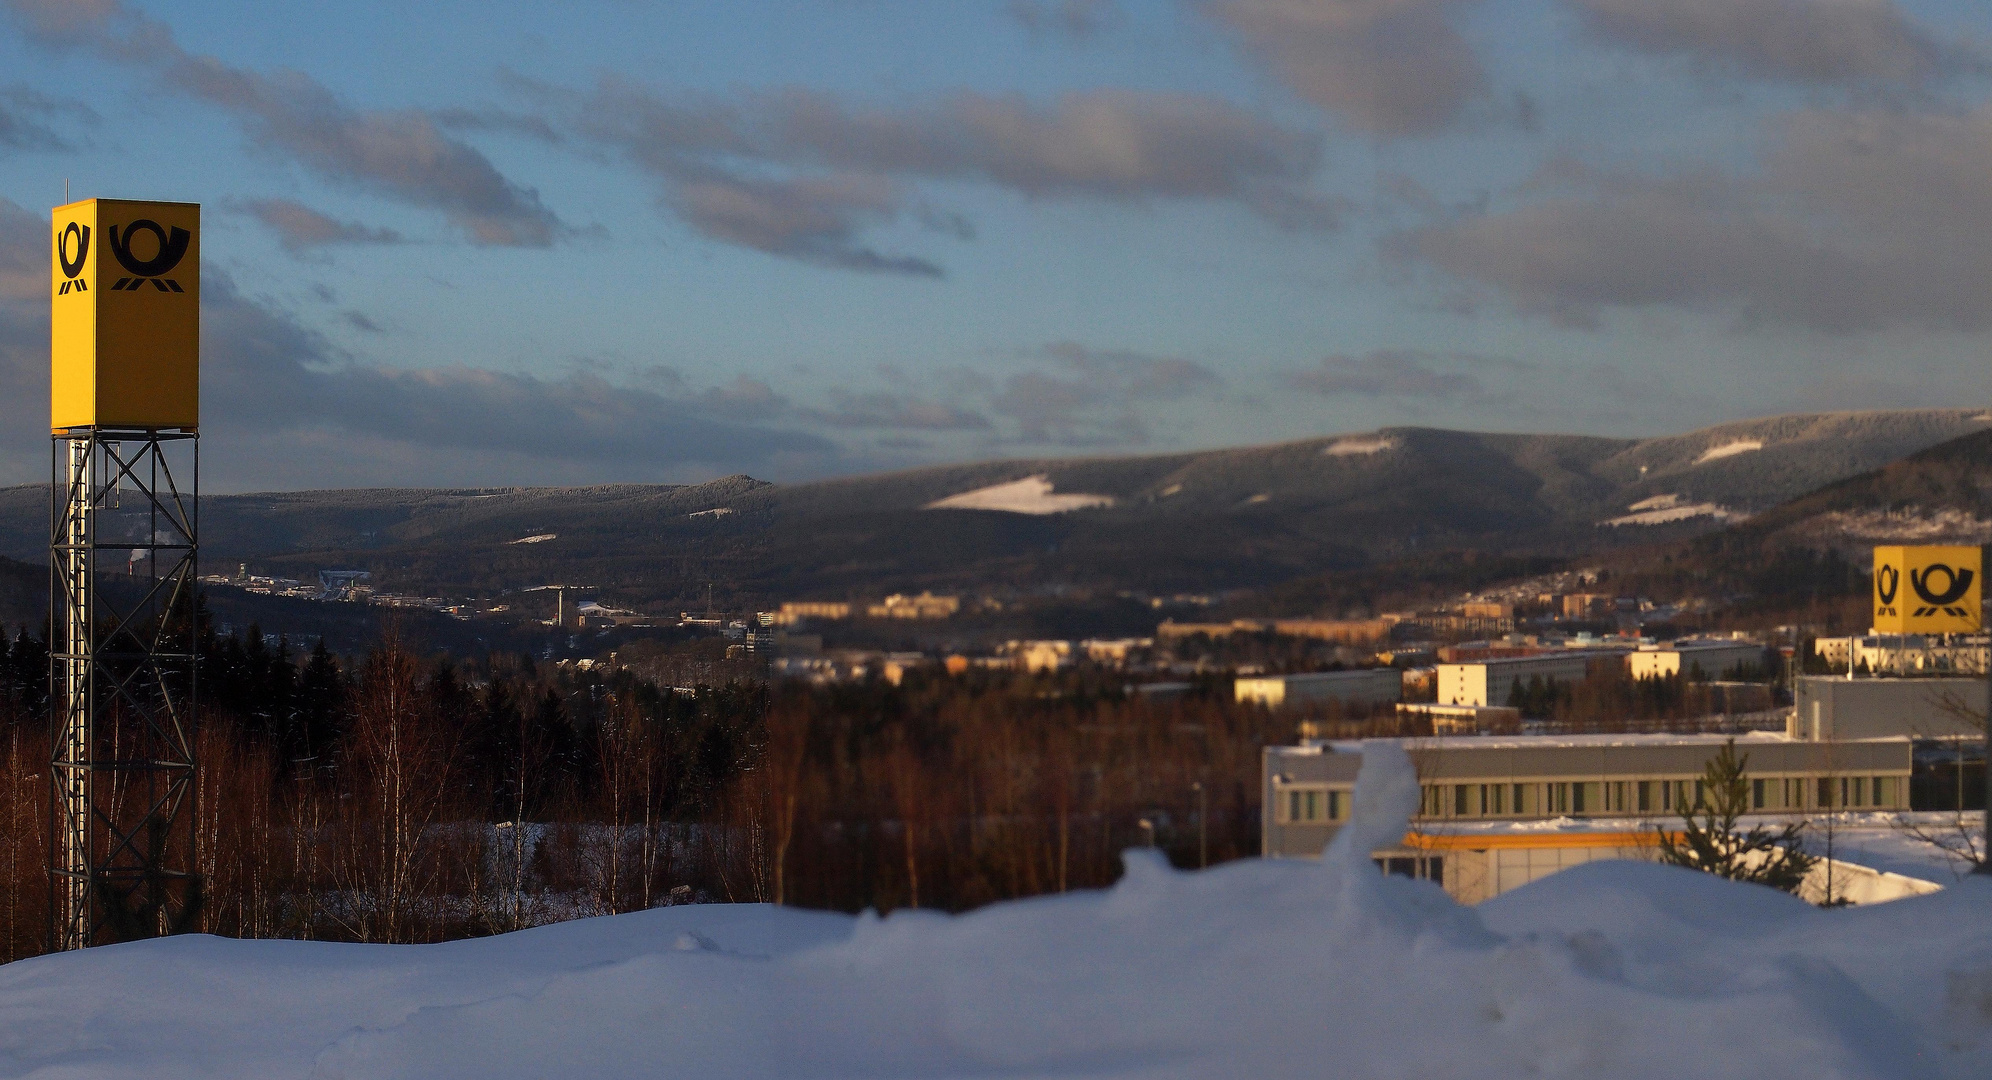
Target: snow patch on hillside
(1031,495)
(1359,446)
(1666,509)
(539,539)
(1729,449)
(1657,502)
(1910,525)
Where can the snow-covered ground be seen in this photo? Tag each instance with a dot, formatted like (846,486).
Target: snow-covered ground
(1255,969)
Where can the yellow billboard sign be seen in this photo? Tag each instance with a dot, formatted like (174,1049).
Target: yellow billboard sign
(125,317)
(1927,590)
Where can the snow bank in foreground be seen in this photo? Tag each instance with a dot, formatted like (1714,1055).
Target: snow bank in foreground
(1255,969)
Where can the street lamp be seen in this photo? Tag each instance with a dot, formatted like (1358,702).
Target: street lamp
(1147,830)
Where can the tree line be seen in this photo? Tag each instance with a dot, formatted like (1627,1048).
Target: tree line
(398,797)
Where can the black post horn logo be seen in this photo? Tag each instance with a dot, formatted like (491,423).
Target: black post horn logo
(1954,585)
(171,250)
(1887,580)
(77,234)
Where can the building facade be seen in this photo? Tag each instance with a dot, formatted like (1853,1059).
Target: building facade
(1462,719)
(1490,682)
(1368,686)
(1836,707)
(1605,795)
(1710,658)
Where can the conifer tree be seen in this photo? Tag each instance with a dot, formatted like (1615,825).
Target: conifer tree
(1711,842)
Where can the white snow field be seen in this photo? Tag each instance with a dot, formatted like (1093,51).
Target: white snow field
(1257,969)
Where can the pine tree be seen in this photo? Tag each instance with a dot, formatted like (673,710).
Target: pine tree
(318,712)
(1709,840)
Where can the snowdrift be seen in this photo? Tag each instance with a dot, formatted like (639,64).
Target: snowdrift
(1255,969)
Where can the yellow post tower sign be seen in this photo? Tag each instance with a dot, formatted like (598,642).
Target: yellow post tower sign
(1927,590)
(124,416)
(125,323)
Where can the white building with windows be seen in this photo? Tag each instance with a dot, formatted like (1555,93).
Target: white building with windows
(1835,707)
(1500,811)
(1710,658)
(1368,686)
(1490,682)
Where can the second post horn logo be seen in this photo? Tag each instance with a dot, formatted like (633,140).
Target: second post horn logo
(168,250)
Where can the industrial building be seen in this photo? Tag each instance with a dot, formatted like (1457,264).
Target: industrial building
(1906,654)
(1368,686)
(924,606)
(796,612)
(1484,823)
(1345,631)
(1708,659)
(1587,605)
(1462,719)
(1836,707)
(1489,682)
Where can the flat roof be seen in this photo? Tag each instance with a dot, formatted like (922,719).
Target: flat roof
(1744,739)
(1558,654)
(1343,674)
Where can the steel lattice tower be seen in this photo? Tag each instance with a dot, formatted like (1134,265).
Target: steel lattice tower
(122,558)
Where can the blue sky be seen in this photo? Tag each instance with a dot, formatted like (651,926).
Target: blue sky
(497,243)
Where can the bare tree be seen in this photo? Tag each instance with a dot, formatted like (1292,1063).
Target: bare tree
(781,776)
(1950,831)
(623,782)
(398,760)
(906,775)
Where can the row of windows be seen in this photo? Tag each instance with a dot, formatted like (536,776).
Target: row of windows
(1651,796)
(1306,805)
(1430,868)
(1324,805)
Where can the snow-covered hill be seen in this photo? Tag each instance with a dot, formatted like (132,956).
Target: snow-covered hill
(1255,969)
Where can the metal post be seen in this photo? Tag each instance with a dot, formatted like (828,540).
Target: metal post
(121,665)
(1203,825)
(1985,861)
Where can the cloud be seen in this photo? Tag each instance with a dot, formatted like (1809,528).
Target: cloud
(1854,221)
(284,407)
(1094,407)
(403,154)
(886,411)
(268,379)
(359,320)
(24,255)
(813,219)
(300,228)
(1387,67)
(1070,18)
(803,174)
(1396,373)
(1808,41)
(745,398)
(1135,374)
(25,116)
(24,305)
(501,121)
